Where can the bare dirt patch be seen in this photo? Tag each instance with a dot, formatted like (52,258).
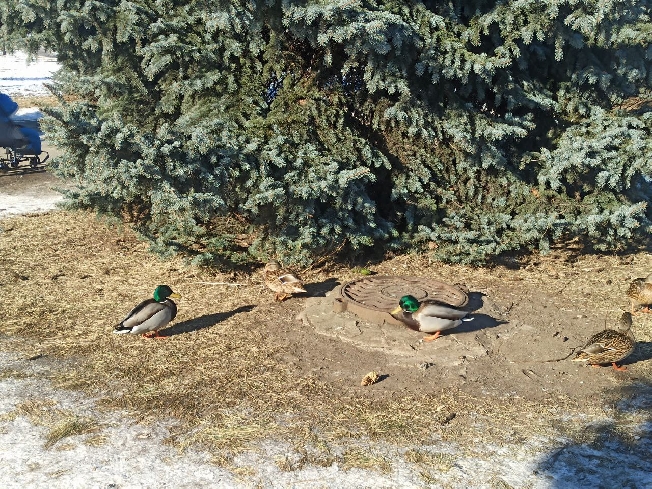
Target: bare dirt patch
(526,321)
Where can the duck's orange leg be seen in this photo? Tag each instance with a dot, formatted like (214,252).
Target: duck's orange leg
(432,337)
(642,309)
(154,334)
(622,368)
(633,308)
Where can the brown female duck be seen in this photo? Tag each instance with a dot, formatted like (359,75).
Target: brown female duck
(283,282)
(640,293)
(609,345)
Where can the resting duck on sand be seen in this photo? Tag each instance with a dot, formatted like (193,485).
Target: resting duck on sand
(429,316)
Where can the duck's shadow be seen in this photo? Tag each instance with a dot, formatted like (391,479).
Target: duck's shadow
(479,320)
(205,321)
(642,352)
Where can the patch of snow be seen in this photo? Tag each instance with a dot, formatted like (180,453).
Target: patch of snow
(18,76)
(27,114)
(608,464)
(131,455)
(28,203)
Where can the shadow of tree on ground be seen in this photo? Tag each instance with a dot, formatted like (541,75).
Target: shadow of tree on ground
(616,453)
(319,289)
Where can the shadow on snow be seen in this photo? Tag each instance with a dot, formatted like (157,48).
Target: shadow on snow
(609,454)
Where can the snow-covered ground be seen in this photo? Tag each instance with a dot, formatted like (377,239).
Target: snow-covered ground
(18,76)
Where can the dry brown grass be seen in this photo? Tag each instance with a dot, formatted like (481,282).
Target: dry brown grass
(68,427)
(438,461)
(68,277)
(60,423)
(40,101)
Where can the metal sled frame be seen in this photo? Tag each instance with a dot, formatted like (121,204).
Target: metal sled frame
(13,157)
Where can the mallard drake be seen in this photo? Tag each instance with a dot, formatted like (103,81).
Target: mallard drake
(283,282)
(429,316)
(151,315)
(609,345)
(640,293)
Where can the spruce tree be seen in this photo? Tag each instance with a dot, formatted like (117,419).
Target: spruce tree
(469,127)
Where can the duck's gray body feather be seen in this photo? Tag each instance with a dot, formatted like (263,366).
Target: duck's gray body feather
(433,316)
(147,316)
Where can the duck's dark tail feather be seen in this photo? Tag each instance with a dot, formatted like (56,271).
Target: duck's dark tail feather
(121,329)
